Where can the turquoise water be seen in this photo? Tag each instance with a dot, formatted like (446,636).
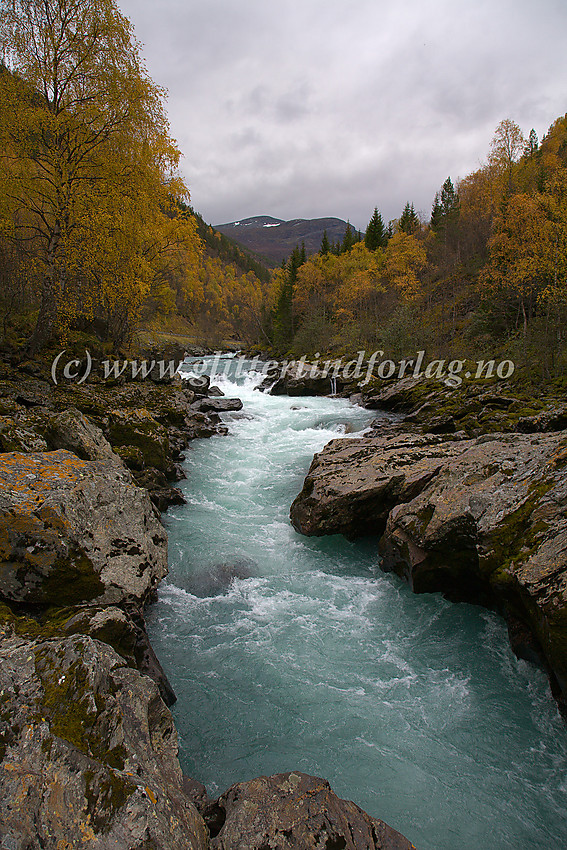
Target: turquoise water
(312,659)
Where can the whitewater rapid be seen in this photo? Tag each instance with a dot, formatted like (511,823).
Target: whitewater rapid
(289,652)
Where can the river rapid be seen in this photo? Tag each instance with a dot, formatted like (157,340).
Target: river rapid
(295,653)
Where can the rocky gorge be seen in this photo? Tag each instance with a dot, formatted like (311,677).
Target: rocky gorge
(465,495)
(88,747)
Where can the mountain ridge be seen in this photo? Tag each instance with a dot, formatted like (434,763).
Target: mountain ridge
(273,239)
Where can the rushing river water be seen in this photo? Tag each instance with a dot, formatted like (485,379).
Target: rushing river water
(311,659)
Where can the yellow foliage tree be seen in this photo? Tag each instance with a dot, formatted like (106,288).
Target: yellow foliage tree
(86,160)
(507,146)
(405,259)
(521,252)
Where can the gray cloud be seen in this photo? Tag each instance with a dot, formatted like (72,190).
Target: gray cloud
(311,107)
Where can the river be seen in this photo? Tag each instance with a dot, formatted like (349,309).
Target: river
(312,659)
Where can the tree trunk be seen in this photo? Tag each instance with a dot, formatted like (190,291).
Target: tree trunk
(46,326)
(44,331)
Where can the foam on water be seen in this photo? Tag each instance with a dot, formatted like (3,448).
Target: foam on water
(305,656)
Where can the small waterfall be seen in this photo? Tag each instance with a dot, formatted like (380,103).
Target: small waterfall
(333,386)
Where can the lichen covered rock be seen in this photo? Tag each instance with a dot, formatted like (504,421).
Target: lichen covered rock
(137,428)
(353,484)
(16,436)
(76,531)
(88,752)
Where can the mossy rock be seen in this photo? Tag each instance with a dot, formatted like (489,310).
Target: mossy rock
(138,429)
(17,437)
(132,456)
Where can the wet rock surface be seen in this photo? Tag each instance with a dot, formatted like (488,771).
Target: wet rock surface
(299,379)
(217,405)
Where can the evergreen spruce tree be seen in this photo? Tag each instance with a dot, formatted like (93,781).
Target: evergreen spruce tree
(449,198)
(283,323)
(408,221)
(532,144)
(325,244)
(375,236)
(436,214)
(445,211)
(348,239)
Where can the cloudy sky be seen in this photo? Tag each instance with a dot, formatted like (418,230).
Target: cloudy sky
(308,108)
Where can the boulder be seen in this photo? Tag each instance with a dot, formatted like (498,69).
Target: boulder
(303,379)
(137,428)
(88,752)
(217,578)
(201,425)
(197,384)
(217,405)
(71,430)
(124,631)
(295,811)
(162,494)
(353,484)
(74,531)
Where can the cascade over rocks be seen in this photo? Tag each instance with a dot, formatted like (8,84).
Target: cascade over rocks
(482,520)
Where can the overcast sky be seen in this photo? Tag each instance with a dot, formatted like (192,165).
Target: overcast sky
(308,108)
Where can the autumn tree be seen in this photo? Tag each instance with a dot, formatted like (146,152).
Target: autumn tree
(405,259)
(521,255)
(506,147)
(86,160)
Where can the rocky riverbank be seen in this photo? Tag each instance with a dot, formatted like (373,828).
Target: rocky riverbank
(88,748)
(460,506)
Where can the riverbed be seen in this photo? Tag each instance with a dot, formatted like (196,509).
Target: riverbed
(289,652)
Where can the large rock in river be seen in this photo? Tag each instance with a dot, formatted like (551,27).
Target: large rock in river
(294,811)
(352,485)
(75,531)
(483,520)
(299,379)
